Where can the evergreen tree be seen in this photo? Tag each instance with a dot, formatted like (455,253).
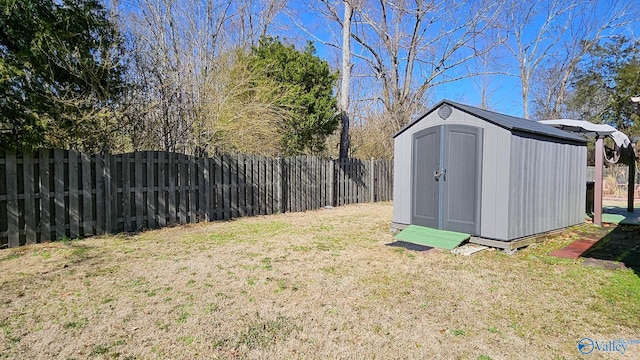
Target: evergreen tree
(605,83)
(308,82)
(60,77)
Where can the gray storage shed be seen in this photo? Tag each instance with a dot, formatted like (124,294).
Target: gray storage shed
(494,176)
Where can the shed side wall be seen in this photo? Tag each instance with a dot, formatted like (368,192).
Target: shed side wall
(547,186)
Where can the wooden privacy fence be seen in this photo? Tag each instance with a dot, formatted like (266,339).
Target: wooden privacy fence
(55,194)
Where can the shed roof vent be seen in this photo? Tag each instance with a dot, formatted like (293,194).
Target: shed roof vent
(444,112)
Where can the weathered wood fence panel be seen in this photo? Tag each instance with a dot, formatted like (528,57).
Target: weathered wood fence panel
(54,194)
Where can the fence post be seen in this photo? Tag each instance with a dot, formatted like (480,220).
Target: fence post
(372,181)
(631,185)
(279,185)
(332,182)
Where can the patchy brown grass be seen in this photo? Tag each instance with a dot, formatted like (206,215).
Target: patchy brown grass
(320,284)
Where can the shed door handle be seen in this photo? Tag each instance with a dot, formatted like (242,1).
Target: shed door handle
(437,173)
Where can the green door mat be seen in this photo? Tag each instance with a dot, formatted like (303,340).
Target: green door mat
(421,235)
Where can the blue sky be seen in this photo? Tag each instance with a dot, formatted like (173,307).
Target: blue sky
(505,90)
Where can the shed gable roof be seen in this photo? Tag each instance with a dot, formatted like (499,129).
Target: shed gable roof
(508,122)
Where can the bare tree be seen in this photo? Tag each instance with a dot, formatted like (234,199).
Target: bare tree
(486,82)
(412,46)
(253,19)
(553,35)
(531,44)
(345,79)
(591,23)
(175,45)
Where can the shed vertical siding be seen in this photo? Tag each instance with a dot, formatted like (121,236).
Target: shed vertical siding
(546,187)
(496,172)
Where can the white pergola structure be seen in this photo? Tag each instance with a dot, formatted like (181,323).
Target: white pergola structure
(600,131)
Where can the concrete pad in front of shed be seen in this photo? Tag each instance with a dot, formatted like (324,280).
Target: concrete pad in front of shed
(421,235)
(469,249)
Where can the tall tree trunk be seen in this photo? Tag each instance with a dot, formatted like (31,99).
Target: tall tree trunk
(346,80)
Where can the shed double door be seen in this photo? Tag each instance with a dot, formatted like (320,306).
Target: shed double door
(446,178)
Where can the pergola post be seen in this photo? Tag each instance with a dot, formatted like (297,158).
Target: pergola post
(631,187)
(598,177)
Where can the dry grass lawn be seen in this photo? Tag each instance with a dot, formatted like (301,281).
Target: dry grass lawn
(315,285)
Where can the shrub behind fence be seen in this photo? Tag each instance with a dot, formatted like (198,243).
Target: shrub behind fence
(54,194)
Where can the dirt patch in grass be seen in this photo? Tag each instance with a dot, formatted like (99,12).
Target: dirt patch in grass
(320,284)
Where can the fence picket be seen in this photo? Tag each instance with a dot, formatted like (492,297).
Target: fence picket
(138,182)
(269,190)
(111,193)
(126,193)
(219,203)
(74,209)
(29,199)
(339,183)
(87,197)
(295,184)
(59,197)
(13,216)
(260,185)
(242,185)
(226,187)
(233,172)
(183,178)
(100,197)
(286,189)
(172,175)
(203,181)
(352,191)
(255,190)
(162,189)
(278,202)
(192,189)
(45,195)
(204,192)
(298,183)
(306,172)
(151,189)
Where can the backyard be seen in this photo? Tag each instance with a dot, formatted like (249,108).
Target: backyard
(318,284)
